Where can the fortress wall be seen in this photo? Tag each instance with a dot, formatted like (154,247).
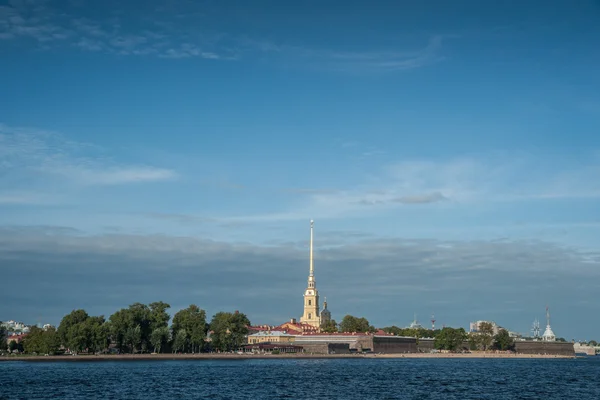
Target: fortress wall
(557,348)
(325,348)
(339,348)
(315,348)
(394,344)
(425,345)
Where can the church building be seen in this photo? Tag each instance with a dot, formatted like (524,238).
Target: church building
(312,314)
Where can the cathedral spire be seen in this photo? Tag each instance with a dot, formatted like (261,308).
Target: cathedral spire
(311,273)
(311,315)
(312,270)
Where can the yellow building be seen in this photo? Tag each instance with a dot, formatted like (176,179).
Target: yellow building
(270,337)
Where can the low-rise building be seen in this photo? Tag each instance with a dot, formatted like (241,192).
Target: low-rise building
(270,337)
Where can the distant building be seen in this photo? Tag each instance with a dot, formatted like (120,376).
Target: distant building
(15,338)
(548,335)
(476,326)
(270,337)
(415,324)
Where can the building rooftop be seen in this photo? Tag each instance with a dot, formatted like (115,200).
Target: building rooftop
(271,334)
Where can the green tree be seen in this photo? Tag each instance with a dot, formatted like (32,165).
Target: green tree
(159,317)
(159,337)
(133,338)
(3,338)
(473,342)
(97,332)
(78,337)
(73,318)
(131,328)
(33,342)
(503,341)
(13,345)
(140,318)
(450,339)
(180,342)
(229,330)
(353,324)
(41,341)
(485,335)
(119,322)
(394,330)
(193,321)
(592,343)
(330,326)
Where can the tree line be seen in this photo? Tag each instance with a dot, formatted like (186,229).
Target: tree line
(141,328)
(453,339)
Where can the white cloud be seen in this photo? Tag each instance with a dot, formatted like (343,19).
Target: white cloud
(176,34)
(34,153)
(453,182)
(23,198)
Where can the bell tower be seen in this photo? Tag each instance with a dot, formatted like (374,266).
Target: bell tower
(311,314)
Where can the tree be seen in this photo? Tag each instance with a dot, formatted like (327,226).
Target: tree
(41,341)
(78,337)
(330,326)
(450,339)
(593,343)
(3,338)
(119,323)
(159,317)
(485,335)
(133,338)
(353,324)
(33,342)
(140,319)
(473,342)
(73,318)
(503,341)
(13,345)
(132,327)
(97,332)
(229,330)
(411,332)
(159,337)
(181,341)
(193,321)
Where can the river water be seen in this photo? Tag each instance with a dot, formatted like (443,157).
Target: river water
(304,379)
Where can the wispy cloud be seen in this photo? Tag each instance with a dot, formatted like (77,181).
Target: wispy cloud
(389,60)
(176,34)
(50,27)
(453,182)
(36,154)
(24,198)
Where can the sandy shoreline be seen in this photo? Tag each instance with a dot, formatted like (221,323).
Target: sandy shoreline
(208,356)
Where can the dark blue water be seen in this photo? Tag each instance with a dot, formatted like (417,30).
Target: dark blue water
(304,379)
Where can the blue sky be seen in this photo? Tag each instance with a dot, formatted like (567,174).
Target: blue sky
(176,150)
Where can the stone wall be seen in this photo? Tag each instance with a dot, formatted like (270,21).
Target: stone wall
(325,348)
(425,345)
(557,348)
(394,344)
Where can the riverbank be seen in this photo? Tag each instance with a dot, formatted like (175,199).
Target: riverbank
(249,356)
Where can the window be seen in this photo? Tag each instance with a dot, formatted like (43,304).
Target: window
(310,302)
(309,316)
